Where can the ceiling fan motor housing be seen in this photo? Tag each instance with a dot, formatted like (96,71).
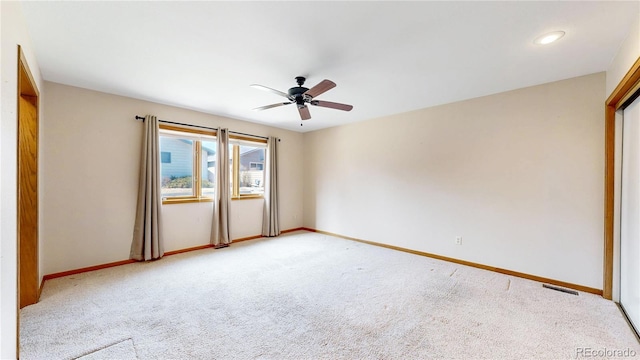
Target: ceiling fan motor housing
(297,94)
(295,91)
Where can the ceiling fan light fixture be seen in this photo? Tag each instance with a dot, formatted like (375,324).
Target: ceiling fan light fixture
(548,38)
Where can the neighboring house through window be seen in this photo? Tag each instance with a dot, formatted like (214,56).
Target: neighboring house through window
(248,168)
(187,164)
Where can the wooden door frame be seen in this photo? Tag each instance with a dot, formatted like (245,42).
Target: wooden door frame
(622,92)
(27,90)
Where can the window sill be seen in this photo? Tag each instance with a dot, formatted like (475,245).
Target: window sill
(185,201)
(248,197)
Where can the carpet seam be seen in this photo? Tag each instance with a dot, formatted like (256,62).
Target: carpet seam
(107,346)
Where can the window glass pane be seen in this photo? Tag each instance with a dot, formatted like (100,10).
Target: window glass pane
(177,170)
(208,168)
(251,177)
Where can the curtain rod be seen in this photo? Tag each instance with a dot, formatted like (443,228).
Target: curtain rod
(204,127)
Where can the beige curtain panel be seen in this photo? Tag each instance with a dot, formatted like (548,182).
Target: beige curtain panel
(147,241)
(270,225)
(220,223)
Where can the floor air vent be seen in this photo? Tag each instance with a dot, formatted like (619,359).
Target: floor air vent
(572,292)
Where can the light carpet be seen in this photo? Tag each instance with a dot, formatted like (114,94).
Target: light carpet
(311,296)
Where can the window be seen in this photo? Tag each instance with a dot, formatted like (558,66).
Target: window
(165,157)
(247,170)
(187,164)
(208,170)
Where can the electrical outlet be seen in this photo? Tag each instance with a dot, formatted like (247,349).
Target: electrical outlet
(458,240)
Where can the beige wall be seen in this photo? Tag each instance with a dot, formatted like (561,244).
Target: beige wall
(627,54)
(14,33)
(93,147)
(519,175)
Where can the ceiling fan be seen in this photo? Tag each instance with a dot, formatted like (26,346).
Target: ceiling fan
(301,96)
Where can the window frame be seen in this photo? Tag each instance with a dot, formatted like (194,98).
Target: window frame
(235,189)
(196,181)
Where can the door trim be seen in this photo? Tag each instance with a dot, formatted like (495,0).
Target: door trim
(27,93)
(617,98)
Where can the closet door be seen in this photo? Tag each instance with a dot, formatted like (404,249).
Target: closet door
(630,215)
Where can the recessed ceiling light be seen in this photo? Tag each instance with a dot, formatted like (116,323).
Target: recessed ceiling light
(548,38)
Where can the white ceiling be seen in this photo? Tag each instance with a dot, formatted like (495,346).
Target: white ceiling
(386,57)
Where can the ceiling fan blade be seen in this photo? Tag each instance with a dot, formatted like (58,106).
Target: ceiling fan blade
(277,92)
(332,105)
(322,87)
(270,106)
(304,112)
